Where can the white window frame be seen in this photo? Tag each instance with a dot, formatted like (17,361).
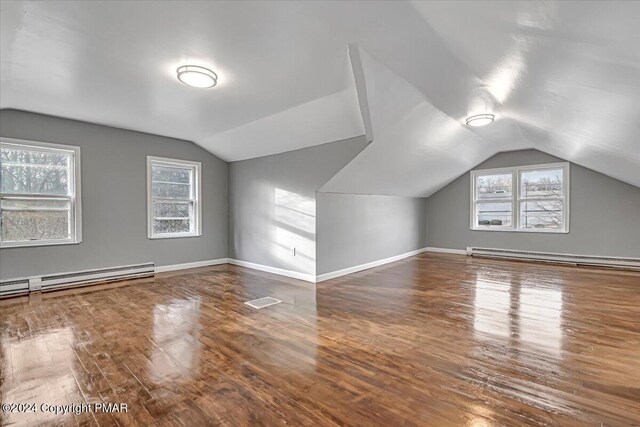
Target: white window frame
(74,196)
(516,197)
(196,196)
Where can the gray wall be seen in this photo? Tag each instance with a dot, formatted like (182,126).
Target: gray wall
(357,229)
(605,214)
(114,211)
(272,204)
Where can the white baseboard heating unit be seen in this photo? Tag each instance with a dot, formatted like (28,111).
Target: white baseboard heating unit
(50,282)
(580,260)
(14,287)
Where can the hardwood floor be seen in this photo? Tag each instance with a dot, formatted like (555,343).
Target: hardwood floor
(431,340)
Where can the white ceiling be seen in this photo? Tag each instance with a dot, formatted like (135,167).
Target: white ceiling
(416,147)
(115,63)
(562,77)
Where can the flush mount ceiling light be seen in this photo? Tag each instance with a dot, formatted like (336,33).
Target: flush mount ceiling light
(480,120)
(196,76)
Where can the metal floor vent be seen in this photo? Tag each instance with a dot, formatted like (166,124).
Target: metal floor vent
(262,302)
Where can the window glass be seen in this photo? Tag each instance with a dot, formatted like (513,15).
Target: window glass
(174,199)
(494,186)
(540,204)
(541,215)
(28,171)
(38,201)
(168,226)
(494,214)
(27,219)
(541,184)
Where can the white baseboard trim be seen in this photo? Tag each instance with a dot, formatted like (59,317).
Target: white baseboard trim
(447,251)
(184,266)
(24,286)
(372,264)
(281,271)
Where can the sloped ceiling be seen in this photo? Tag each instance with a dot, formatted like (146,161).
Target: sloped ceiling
(284,80)
(562,77)
(416,147)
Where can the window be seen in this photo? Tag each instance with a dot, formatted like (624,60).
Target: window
(173,198)
(526,198)
(39,194)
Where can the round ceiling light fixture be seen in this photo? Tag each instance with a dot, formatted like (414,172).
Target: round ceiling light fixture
(196,76)
(480,120)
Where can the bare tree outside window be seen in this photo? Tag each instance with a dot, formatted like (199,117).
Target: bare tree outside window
(493,201)
(173,198)
(527,198)
(36,193)
(542,199)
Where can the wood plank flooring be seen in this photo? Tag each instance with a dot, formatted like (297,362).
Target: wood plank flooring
(432,340)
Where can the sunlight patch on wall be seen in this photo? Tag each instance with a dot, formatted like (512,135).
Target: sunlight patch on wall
(295,210)
(295,225)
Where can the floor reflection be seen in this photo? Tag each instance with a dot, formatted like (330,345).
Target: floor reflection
(492,308)
(272,330)
(431,340)
(514,308)
(175,333)
(39,368)
(540,318)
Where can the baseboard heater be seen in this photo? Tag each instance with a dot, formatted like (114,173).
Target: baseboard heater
(580,260)
(14,288)
(51,282)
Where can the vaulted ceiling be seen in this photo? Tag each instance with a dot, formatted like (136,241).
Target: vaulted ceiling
(562,77)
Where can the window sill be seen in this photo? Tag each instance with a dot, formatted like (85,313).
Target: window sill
(9,245)
(509,230)
(173,236)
